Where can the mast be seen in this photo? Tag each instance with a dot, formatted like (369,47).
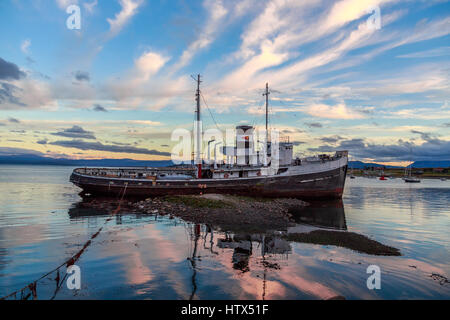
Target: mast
(199,129)
(266,149)
(197,97)
(267,111)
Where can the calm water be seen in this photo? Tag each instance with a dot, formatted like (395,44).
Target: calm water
(152,257)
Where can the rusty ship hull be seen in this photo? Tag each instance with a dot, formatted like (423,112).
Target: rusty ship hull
(327,184)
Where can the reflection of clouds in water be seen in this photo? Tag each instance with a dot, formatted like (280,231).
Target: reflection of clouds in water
(137,272)
(427,199)
(413,218)
(280,280)
(305,272)
(243,285)
(252,287)
(346,270)
(146,255)
(310,287)
(29,234)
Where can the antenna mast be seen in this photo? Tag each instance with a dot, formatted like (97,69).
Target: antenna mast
(199,131)
(197,97)
(267,111)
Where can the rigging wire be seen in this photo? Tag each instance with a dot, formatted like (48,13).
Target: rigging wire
(204,101)
(272,112)
(260,105)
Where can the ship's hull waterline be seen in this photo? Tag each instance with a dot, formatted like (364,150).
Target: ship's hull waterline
(321,185)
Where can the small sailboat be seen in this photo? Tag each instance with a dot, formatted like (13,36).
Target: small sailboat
(408,178)
(408,175)
(412,180)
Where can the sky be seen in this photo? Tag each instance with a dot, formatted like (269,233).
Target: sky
(371,77)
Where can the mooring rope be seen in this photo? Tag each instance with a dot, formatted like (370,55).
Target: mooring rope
(69,262)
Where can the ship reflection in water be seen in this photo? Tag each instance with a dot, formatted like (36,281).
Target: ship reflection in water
(322,214)
(145,256)
(239,265)
(261,255)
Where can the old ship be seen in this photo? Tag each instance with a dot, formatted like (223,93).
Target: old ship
(246,172)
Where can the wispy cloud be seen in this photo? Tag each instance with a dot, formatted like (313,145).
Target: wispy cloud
(82,76)
(63,4)
(142,87)
(75,132)
(314,125)
(10,71)
(129,8)
(216,14)
(8,96)
(437,52)
(97,146)
(99,108)
(90,6)
(396,151)
(25,46)
(324,65)
(7,151)
(340,111)
(147,65)
(14,120)
(271,45)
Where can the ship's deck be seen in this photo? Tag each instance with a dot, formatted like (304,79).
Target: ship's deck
(224,171)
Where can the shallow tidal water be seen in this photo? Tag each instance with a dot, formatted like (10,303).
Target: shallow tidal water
(153,257)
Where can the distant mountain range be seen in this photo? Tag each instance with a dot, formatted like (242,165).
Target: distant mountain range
(362,165)
(417,164)
(40,160)
(432,164)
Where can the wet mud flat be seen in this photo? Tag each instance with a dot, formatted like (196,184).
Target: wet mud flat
(238,215)
(221,212)
(350,240)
